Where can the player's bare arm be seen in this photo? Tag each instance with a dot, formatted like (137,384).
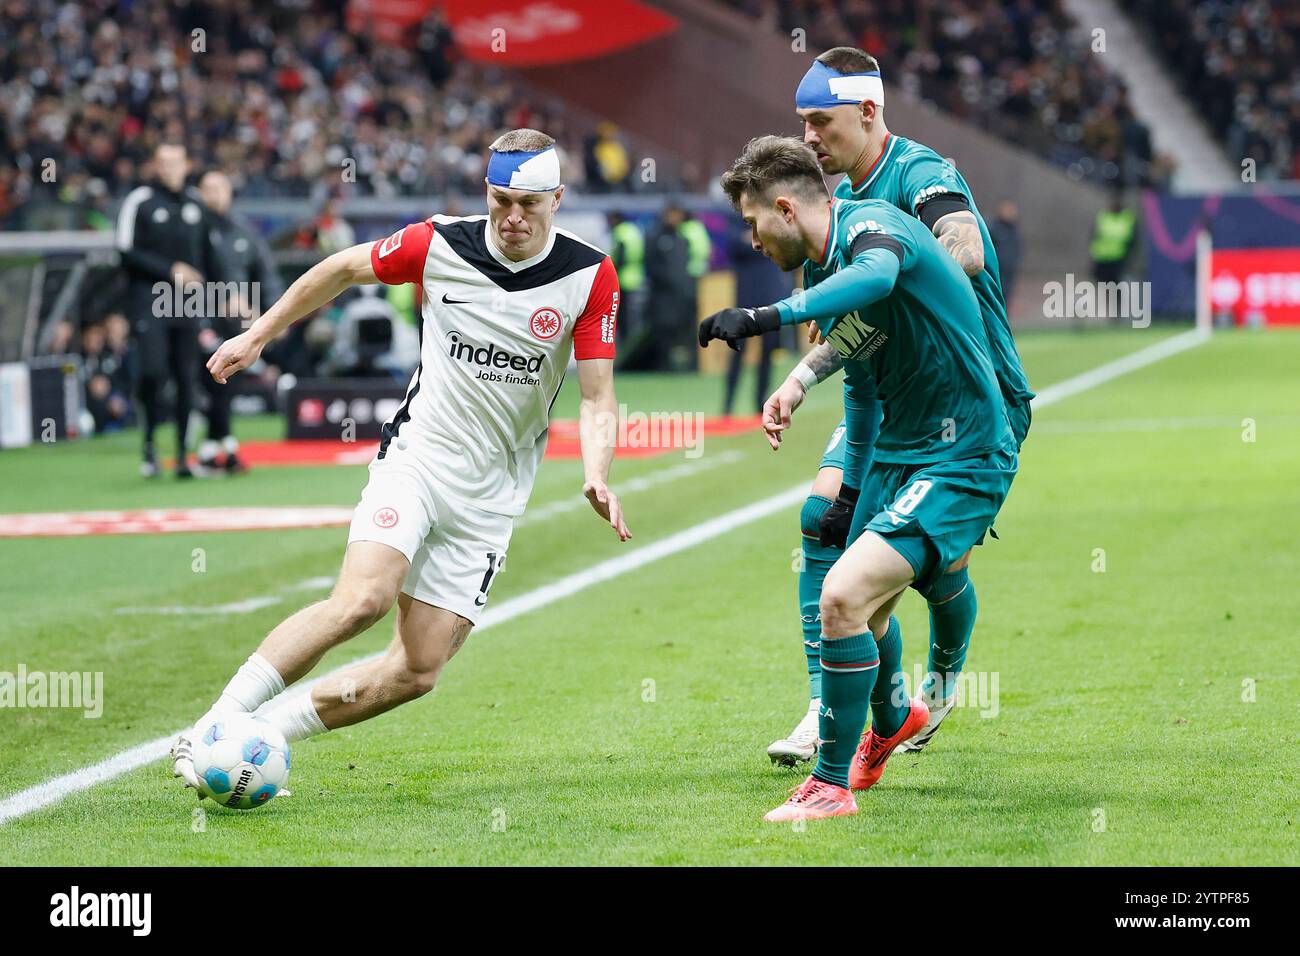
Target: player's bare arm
(598,433)
(959,233)
(818,365)
(320,284)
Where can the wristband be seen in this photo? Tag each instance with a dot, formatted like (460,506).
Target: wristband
(804,376)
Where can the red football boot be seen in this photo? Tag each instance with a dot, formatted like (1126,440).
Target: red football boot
(812,800)
(869,759)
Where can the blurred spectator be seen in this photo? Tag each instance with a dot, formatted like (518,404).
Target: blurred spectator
(57,339)
(606,160)
(331,230)
(758,282)
(671,308)
(1004,230)
(107,389)
(697,239)
(1111,244)
(627,251)
(163,240)
(249,264)
(434,45)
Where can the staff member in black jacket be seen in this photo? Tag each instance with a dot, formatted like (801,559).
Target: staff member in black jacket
(162,235)
(250,265)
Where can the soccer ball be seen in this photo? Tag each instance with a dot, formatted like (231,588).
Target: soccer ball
(241,761)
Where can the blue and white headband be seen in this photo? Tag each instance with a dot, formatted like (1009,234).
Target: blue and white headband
(823,88)
(535,171)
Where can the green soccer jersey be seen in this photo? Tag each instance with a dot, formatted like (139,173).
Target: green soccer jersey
(907,174)
(902,315)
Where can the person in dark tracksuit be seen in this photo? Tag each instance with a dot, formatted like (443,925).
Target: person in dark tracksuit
(162,237)
(757,283)
(249,263)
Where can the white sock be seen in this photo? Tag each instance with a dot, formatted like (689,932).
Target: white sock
(231,444)
(253,685)
(208,450)
(297,719)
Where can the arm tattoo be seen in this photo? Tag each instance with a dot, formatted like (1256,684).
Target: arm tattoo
(824,361)
(959,233)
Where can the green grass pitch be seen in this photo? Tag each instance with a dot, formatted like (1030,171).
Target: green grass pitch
(1145,713)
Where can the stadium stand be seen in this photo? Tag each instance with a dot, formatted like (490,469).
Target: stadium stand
(278,97)
(1020,69)
(1240,60)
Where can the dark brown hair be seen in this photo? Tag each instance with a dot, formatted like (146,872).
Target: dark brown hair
(770,161)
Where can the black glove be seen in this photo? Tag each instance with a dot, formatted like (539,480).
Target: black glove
(834,529)
(732,325)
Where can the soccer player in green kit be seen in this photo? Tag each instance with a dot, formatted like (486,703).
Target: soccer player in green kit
(841,104)
(904,319)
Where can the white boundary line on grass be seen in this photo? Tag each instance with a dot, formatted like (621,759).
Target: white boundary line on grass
(1120,366)
(55,790)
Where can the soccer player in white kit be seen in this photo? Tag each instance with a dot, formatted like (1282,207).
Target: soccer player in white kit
(507,298)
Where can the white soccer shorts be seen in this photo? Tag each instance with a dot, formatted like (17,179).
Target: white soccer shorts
(455,550)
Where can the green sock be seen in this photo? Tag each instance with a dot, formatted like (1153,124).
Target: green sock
(817,561)
(951,623)
(849,667)
(889,703)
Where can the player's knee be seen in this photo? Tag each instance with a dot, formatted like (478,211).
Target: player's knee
(841,606)
(419,679)
(358,608)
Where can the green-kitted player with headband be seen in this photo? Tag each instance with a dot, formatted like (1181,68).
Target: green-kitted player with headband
(840,102)
(903,317)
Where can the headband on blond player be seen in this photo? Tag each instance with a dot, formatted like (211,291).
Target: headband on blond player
(537,171)
(823,87)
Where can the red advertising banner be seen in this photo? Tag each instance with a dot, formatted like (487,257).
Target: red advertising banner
(520,33)
(543,32)
(1256,286)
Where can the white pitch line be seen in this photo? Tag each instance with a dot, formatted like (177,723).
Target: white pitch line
(53,791)
(246,606)
(1120,366)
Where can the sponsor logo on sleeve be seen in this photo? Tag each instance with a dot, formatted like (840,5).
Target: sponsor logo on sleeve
(607,321)
(391,244)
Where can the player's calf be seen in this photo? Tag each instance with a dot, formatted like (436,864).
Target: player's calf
(863,584)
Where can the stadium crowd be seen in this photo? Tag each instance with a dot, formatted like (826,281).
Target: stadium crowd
(1020,69)
(1239,60)
(281,97)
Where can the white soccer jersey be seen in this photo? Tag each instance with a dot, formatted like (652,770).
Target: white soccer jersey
(496,338)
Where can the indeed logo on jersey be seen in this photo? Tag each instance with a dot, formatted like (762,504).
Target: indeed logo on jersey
(854,339)
(490,359)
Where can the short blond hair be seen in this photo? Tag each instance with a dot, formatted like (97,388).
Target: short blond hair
(522,140)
